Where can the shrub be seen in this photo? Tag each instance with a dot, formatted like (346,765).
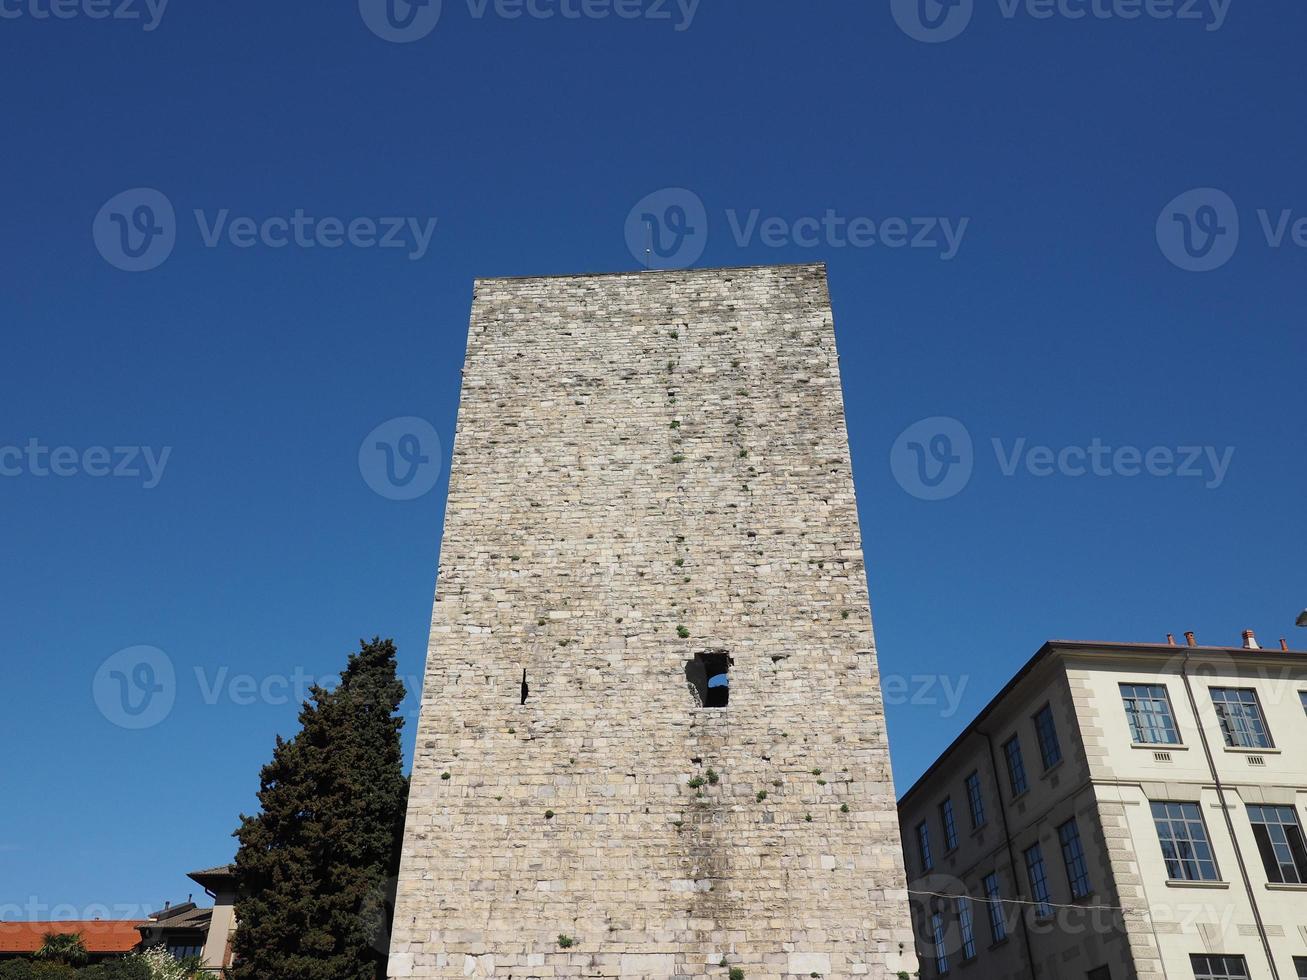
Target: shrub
(27,970)
(128,968)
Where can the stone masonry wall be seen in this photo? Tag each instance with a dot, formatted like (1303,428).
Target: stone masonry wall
(650,466)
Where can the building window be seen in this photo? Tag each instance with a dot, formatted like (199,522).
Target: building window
(993,900)
(923,847)
(182,949)
(1219,967)
(937,934)
(1300,967)
(1185,846)
(1148,709)
(947,822)
(1073,853)
(1016,767)
(1241,718)
(1099,973)
(1049,750)
(1038,876)
(1302,696)
(975,801)
(1280,842)
(967,928)
(709,677)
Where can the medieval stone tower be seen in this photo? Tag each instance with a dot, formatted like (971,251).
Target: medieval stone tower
(652,740)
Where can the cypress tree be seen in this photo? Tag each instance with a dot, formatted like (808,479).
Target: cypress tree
(326,842)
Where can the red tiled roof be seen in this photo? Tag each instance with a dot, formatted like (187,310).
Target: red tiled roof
(100,935)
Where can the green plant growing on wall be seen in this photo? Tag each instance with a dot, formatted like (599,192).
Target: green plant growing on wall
(565,942)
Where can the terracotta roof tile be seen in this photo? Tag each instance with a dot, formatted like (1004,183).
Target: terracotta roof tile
(99,935)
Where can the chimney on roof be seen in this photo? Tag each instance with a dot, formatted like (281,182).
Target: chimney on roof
(1250,640)
(1189,638)
(1170,639)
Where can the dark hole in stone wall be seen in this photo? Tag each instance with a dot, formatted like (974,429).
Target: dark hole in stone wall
(709,678)
(526,689)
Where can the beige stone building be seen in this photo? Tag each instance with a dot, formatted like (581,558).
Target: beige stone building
(1120,811)
(652,740)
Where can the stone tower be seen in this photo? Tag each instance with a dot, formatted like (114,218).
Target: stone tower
(652,740)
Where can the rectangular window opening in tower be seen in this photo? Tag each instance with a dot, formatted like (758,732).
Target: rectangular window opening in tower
(708,675)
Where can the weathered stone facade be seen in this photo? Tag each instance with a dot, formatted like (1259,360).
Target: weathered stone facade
(650,467)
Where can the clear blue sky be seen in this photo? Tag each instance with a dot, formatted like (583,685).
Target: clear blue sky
(263,551)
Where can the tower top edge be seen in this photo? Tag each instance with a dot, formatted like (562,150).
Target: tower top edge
(667,273)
